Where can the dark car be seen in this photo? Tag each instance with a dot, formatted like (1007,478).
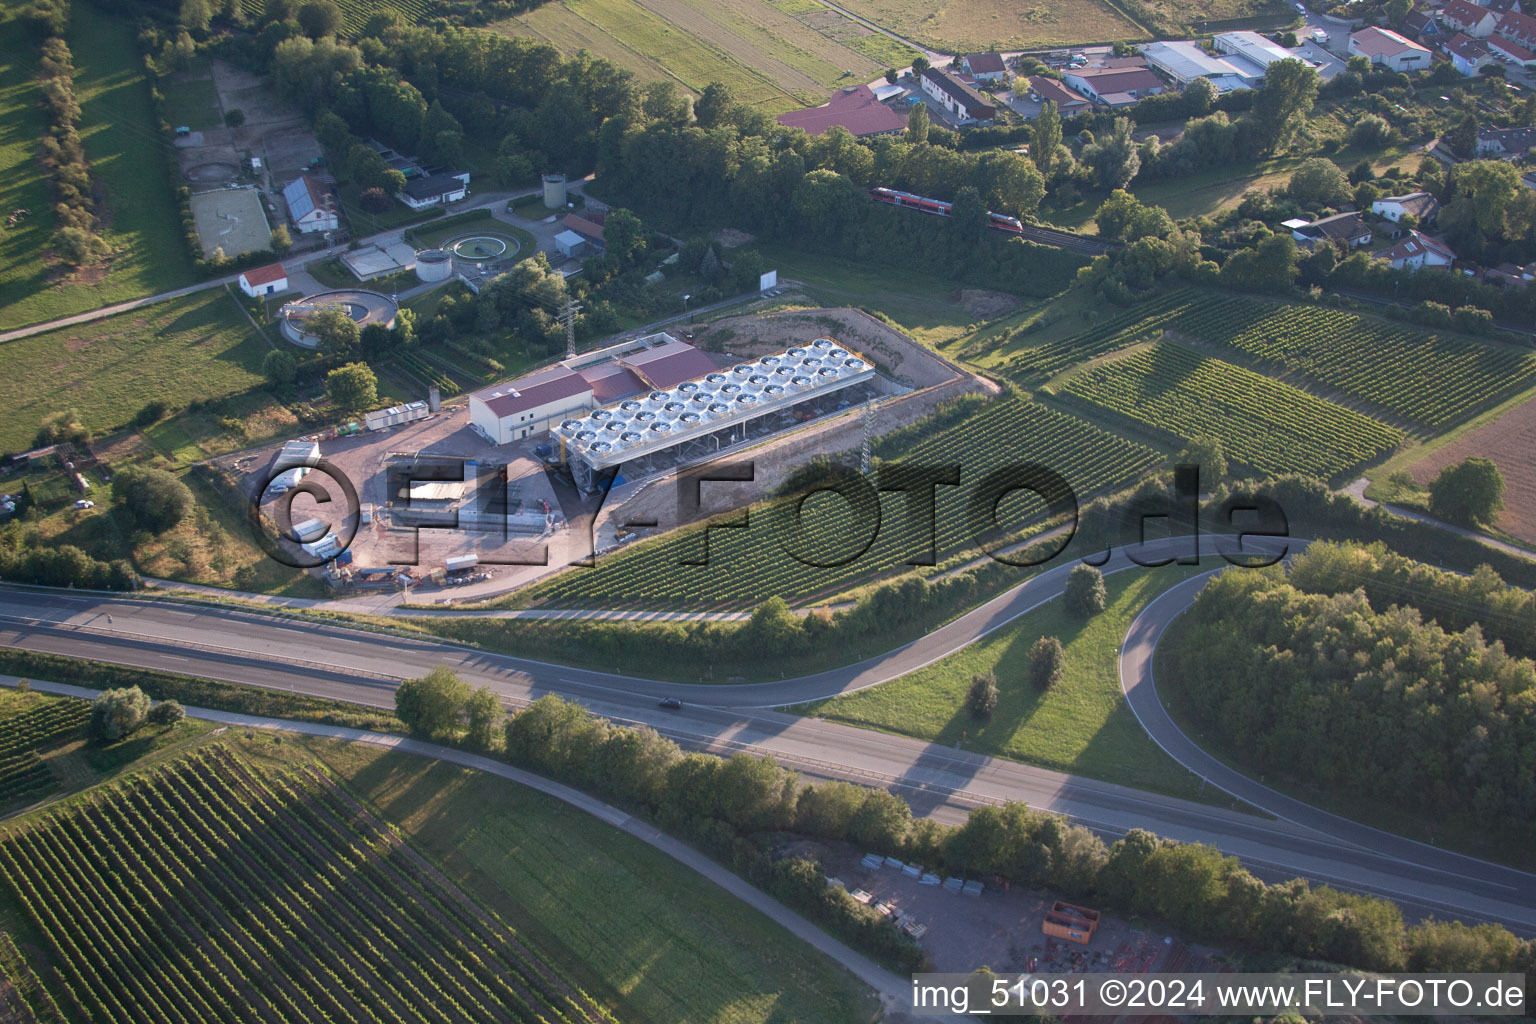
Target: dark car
(670,703)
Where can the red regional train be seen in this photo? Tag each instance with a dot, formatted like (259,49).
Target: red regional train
(940,208)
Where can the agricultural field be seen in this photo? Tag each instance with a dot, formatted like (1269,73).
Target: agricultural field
(179,895)
(247,877)
(965,26)
(1270,426)
(747,566)
(195,348)
(191,98)
(776,56)
(355,13)
(28,726)
(1424,378)
(123,146)
(1433,380)
(1082,725)
(1510,441)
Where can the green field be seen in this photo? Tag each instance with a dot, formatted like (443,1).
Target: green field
(194,348)
(191,99)
(1270,426)
(1082,726)
(774,56)
(747,566)
(123,146)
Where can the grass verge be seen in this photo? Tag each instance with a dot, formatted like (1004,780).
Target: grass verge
(1082,726)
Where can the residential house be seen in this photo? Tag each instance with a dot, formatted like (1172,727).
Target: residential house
(1348,228)
(985,67)
(1505,143)
(1067,102)
(1468,55)
(1390,50)
(1508,275)
(961,101)
(1416,251)
(1519,28)
(1421,25)
(262,281)
(1467,17)
(434,190)
(1100,83)
(1510,51)
(1421,206)
(1500,7)
(855,108)
(309,205)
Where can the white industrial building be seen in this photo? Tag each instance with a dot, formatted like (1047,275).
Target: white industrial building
(1252,53)
(260,282)
(1390,50)
(1185,61)
(533,404)
(701,417)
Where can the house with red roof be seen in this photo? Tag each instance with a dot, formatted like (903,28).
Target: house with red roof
(1417,251)
(263,281)
(1510,51)
(1049,90)
(854,108)
(1469,18)
(1519,28)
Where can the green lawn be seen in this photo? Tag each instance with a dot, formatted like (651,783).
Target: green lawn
(191,99)
(197,347)
(123,146)
(927,308)
(1083,726)
(634,927)
(434,235)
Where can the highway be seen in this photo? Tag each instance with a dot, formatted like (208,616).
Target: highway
(330,660)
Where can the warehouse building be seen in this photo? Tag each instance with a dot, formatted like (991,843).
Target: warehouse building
(533,404)
(1184,62)
(963,103)
(703,416)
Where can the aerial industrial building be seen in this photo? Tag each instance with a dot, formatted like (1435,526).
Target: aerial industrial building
(701,417)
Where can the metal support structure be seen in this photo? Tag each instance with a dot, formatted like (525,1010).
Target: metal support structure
(568,318)
(869,426)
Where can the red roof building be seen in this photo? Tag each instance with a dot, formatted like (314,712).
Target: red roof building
(267,280)
(854,108)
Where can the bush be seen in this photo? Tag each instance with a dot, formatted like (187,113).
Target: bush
(167,713)
(152,498)
(1085,594)
(434,704)
(117,713)
(1470,492)
(1046,662)
(981,700)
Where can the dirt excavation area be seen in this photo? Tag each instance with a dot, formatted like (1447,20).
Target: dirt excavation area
(925,378)
(1510,441)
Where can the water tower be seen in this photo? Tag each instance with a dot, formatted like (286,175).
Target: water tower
(554,191)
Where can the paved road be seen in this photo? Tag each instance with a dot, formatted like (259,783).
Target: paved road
(895,991)
(332,661)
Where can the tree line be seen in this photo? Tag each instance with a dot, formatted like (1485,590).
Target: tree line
(738,808)
(1457,601)
(1335,690)
(76,240)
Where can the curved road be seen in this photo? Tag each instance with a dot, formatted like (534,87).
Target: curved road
(329,660)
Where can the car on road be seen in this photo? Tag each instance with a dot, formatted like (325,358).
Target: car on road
(670,703)
(1300,9)
(1319,35)
(83,503)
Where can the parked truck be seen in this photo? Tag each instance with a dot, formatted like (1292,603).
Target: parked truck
(460,563)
